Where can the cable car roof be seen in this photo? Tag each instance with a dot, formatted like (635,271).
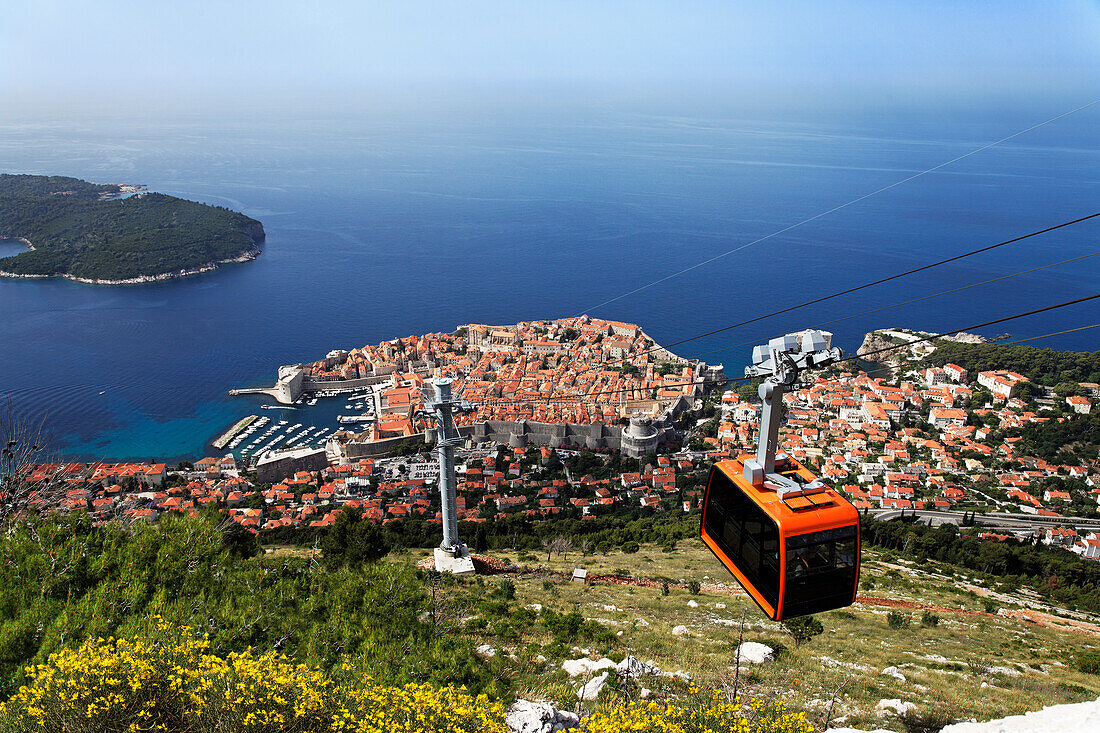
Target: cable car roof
(823,509)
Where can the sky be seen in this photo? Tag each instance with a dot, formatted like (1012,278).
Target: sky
(68,52)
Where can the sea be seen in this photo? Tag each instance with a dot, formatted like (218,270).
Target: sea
(381,225)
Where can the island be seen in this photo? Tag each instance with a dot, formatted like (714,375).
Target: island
(112,234)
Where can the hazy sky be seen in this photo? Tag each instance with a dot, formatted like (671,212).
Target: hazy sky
(916,48)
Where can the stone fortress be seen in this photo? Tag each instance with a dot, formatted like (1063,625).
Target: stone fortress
(579,382)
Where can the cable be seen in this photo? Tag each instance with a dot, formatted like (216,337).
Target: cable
(848,291)
(1007,343)
(838,208)
(579,398)
(979,325)
(917,300)
(880,281)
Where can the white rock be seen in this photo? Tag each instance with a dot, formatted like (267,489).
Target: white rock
(540,659)
(536,607)
(585,666)
(642,622)
(618,633)
(693,604)
(680,630)
(591,689)
(984,685)
(753,652)
(894,672)
(645,692)
(896,705)
(719,605)
(539,717)
(486,650)
(1081,716)
(610,608)
(680,675)
(635,667)
(1007,671)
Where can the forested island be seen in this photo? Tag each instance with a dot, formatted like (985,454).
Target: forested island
(113,234)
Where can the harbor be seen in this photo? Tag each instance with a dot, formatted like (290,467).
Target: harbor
(308,423)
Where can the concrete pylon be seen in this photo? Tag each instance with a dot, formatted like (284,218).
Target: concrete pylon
(452,555)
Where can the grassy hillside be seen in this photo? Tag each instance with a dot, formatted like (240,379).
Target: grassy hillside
(989,654)
(77,229)
(985,649)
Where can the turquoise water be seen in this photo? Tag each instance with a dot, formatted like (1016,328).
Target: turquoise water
(380,227)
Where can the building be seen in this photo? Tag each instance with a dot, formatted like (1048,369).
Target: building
(1003,384)
(639,437)
(274,466)
(942,417)
(1079,404)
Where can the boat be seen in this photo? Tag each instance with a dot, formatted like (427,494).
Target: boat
(352,419)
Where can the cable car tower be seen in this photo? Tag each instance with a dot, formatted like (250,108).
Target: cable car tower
(452,555)
(781,360)
(791,541)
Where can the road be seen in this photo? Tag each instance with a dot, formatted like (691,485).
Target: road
(1001,520)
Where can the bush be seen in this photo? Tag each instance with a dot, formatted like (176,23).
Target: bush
(1087,662)
(664,588)
(694,586)
(603,547)
(897,620)
(988,605)
(699,715)
(631,547)
(931,722)
(803,628)
(929,620)
(506,589)
(179,684)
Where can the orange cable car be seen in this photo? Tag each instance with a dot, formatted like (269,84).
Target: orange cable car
(794,555)
(791,541)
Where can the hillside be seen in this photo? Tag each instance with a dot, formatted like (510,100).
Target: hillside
(927,641)
(85,231)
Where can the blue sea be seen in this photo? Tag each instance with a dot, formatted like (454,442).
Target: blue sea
(384,225)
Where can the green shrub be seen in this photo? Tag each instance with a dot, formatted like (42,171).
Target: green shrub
(897,620)
(694,586)
(631,547)
(988,605)
(929,620)
(664,588)
(1087,662)
(506,590)
(803,628)
(932,721)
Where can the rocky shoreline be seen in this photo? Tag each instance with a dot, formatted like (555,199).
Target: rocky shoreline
(248,256)
(891,346)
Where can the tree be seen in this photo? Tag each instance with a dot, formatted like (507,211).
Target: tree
(239,541)
(481,540)
(803,628)
(353,540)
(22,450)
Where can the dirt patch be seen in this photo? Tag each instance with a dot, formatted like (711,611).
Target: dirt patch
(1037,618)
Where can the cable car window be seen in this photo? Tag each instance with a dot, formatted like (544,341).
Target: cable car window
(745,534)
(821,569)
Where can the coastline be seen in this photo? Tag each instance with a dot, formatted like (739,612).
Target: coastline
(248,256)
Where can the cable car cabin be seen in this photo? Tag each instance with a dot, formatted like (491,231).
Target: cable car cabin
(793,556)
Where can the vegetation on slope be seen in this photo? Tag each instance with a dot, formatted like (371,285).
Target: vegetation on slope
(76,229)
(1041,365)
